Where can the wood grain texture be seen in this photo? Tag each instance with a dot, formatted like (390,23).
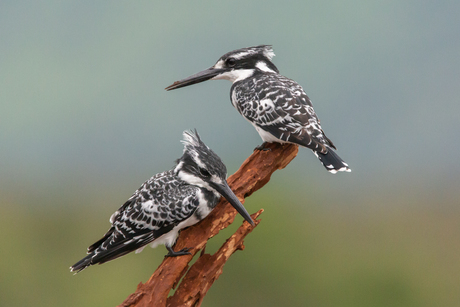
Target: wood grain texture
(253,174)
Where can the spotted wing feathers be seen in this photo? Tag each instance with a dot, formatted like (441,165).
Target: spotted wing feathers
(280,106)
(280,110)
(154,209)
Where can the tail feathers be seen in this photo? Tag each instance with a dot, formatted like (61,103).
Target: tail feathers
(332,162)
(108,250)
(99,257)
(82,264)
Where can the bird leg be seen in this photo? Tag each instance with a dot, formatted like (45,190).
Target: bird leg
(172,253)
(262,147)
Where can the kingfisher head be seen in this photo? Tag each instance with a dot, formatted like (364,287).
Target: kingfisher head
(235,66)
(200,166)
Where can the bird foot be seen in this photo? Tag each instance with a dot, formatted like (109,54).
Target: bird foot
(182,252)
(262,147)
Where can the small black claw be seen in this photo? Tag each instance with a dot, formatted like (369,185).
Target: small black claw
(172,253)
(262,147)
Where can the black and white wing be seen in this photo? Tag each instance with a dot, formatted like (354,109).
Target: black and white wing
(159,205)
(279,105)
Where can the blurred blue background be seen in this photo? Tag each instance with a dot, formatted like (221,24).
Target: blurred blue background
(85,120)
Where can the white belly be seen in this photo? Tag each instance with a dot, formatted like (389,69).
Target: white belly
(267,136)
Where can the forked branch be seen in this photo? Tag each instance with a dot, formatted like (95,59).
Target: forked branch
(253,174)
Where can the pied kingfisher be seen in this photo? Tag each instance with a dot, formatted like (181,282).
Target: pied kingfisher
(276,106)
(165,204)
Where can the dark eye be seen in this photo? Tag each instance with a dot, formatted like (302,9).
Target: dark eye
(230,62)
(204,172)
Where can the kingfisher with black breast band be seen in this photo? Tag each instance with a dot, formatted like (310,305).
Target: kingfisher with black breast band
(277,107)
(165,204)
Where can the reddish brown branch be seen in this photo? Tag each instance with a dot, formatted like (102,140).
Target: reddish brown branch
(253,174)
(208,268)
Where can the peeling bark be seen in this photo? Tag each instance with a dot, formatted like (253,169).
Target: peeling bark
(253,174)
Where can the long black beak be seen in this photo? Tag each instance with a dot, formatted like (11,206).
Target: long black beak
(196,78)
(226,192)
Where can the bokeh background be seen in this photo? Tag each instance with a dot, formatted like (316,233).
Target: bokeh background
(85,120)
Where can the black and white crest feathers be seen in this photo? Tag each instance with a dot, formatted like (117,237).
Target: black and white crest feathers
(196,153)
(262,50)
(193,143)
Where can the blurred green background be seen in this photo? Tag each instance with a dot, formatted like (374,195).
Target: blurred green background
(85,120)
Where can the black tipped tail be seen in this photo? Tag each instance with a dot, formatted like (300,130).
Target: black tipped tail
(82,264)
(332,162)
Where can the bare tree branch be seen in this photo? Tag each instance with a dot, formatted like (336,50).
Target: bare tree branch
(208,268)
(253,174)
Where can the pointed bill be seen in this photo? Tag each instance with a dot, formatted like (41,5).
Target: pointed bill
(196,78)
(226,192)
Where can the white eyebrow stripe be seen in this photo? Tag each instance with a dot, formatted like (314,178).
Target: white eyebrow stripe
(241,55)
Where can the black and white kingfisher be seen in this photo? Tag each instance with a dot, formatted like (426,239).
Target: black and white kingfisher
(165,204)
(276,106)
